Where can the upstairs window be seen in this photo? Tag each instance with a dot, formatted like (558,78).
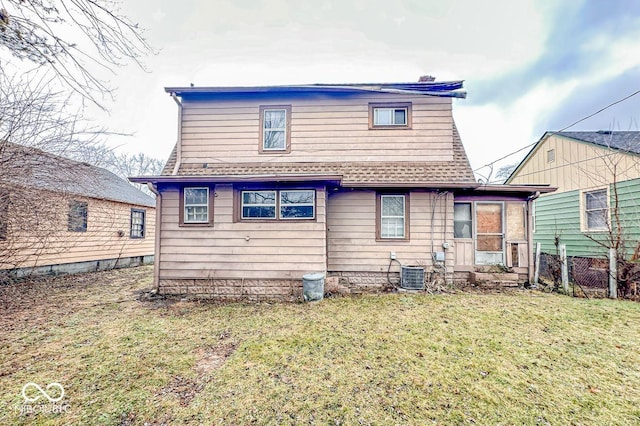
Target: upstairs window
(137,223)
(596,210)
(551,156)
(392,116)
(196,205)
(274,129)
(77,217)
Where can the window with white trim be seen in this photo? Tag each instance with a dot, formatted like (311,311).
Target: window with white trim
(392,216)
(596,210)
(284,204)
(196,205)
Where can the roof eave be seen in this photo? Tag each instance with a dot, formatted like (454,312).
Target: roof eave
(237,178)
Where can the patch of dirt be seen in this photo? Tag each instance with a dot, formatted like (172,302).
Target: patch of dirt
(213,357)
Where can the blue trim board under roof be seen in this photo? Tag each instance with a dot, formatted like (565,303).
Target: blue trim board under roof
(449,89)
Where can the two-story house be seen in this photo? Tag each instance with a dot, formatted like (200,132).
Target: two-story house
(266,184)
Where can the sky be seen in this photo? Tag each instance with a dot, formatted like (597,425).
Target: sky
(529,66)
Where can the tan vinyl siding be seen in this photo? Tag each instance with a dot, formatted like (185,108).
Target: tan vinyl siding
(577,165)
(322,129)
(46,240)
(352,232)
(240,250)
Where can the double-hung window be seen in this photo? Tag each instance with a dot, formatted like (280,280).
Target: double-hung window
(390,116)
(392,216)
(137,223)
(274,129)
(196,205)
(284,204)
(596,210)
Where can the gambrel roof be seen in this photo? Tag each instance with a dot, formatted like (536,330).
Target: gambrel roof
(441,174)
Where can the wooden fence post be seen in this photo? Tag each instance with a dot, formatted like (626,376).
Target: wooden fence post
(613,274)
(536,274)
(564,268)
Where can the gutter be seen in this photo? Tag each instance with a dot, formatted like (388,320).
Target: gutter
(179,141)
(156,248)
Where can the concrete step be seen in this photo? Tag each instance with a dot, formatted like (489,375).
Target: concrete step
(494,279)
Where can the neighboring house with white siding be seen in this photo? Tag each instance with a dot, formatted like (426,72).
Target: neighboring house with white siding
(61,216)
(266,184)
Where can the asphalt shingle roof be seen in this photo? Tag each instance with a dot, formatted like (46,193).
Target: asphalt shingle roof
(36,168)
(621,140)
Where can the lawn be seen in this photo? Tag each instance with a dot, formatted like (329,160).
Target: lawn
(502,358)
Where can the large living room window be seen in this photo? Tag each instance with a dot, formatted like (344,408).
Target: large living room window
(393,216)
(275,132)
(284,204)
(196,205)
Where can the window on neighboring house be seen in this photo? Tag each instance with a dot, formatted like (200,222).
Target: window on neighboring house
(77,218)
(462,220)
(551,156)
(274,129)
(137,223)
(282,204)
(596,210)
(196,205)
(392,216)
(390,115)
(4,215)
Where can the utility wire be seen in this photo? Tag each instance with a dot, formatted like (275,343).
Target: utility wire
(562,130)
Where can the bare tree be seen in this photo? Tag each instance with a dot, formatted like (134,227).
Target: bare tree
(620,210)
(69,39)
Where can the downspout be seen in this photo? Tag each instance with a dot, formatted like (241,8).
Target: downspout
(156,249)
(179,142)
(531,268)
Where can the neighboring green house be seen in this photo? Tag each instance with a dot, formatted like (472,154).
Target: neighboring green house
(597,204)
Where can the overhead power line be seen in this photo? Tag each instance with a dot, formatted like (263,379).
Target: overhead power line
(563,129)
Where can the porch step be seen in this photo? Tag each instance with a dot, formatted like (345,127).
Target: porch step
(494,279)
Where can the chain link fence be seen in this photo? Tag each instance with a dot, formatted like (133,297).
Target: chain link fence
(589,277)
